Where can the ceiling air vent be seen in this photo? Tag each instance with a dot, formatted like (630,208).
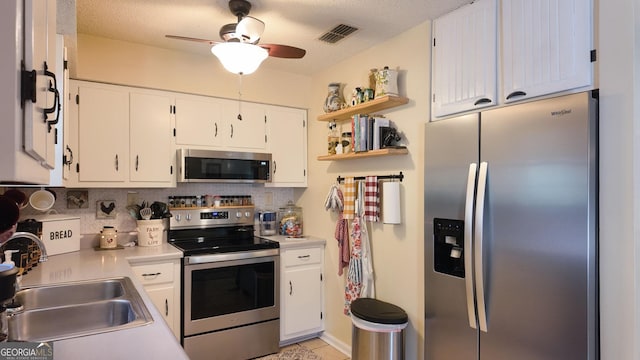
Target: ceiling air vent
(337,33)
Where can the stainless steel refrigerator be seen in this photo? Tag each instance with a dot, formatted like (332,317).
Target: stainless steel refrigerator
(511,233)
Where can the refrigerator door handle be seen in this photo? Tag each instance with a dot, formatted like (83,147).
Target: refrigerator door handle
(468,235)
(478,239)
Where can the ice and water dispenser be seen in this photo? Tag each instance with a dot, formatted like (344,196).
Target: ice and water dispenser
(448,242)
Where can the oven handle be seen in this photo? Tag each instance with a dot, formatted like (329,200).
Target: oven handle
(208,258)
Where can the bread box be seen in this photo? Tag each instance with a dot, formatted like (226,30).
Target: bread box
(59,233)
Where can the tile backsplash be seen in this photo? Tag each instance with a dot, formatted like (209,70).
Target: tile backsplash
(263,198)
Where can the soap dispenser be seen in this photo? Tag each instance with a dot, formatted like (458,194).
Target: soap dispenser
(7,257)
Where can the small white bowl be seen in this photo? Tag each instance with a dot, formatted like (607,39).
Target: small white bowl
(42,200)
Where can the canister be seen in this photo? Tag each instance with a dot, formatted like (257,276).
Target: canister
(291,220)
(108,237)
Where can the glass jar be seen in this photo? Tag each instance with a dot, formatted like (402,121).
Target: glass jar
(332,139)
(291,220)
(346,142)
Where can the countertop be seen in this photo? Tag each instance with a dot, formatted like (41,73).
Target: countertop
(151,341)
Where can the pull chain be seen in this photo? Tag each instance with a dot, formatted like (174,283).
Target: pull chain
(240,96)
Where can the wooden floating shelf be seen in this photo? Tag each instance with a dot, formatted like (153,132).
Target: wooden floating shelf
(364,154)
(369,107)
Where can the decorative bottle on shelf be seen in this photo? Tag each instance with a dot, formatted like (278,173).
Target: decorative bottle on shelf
(334,99)
(372,84)
(332,139)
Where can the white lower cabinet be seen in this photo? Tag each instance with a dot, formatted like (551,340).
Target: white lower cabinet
(161,280)
(301,293)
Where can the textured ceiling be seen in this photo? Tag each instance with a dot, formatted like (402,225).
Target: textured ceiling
(291,22)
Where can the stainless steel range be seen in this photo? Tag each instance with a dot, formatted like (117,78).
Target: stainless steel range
(230,282)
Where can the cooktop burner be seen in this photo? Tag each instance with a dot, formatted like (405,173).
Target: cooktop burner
(198,246)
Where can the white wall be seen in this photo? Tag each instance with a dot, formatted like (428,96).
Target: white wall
(398,250)
(119,62)
(619,46)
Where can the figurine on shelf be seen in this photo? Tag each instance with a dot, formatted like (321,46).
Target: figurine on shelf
(334,101)
(357,96)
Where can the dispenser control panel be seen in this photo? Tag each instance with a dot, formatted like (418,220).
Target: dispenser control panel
(448,242)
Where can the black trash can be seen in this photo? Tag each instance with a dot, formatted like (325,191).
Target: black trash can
(378,330)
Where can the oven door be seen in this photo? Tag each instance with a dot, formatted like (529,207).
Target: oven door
(228,290)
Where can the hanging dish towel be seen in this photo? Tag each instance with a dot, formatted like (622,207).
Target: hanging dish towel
(342,236)
(371,199)
(333,201)
(349,198)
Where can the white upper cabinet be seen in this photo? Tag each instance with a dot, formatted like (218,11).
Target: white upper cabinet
(199,121)
(533,48)
(288,146)
(121,136)
(248,131)
(464,59)
(40,55)
(124,137)
(546,47)
(152,154)
(29,101)
(103,136)
(206,122)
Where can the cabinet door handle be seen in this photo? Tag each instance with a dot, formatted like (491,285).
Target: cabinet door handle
(56,106)
(136,162)
(166,307)
(68,160)
(482,101)
(216,133)
(516,93)
(146,275)
(117,162)
(304,256)
(232,131)
(275,166)
(290,288)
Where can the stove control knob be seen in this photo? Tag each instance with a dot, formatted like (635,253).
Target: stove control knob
(238,214)
(247,214)
(178,217)
(188,217)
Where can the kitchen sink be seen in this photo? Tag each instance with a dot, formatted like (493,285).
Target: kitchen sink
(63,311)
(73,293)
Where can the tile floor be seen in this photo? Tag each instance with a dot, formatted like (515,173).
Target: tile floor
(310,349)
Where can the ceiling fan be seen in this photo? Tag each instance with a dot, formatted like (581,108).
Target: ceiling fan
(248,31)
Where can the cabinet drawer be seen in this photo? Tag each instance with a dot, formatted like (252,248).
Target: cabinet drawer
(298,257)
(154,273)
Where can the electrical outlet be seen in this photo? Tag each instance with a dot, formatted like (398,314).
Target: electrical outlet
(132,198)
(268,198)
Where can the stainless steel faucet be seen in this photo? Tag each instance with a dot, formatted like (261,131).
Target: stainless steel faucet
(34,238)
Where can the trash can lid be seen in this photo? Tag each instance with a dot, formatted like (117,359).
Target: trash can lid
(377,311)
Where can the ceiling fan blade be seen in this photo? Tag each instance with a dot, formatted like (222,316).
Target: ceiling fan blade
(210,42)
(250,28)
(284,51)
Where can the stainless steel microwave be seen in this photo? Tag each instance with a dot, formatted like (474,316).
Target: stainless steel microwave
(223,166)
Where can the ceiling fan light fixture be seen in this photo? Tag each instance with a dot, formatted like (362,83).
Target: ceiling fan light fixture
(239,58)
(250,29)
